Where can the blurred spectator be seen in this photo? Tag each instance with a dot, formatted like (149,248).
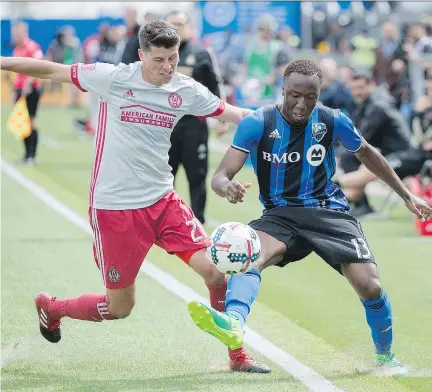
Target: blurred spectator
(345,74)
(261,54)
(406,163)
(111,46)
(422,118)
(364,47)
(91,44)
(290,41)
(28,87)
(130,53)
(333,93)
(418,45)
(335,37)
(389,50)
(56,49)
(72,55)
(149,17)
(390,68)
(189,138)
(379,123)
(72,46)
(344,49)
(382,94)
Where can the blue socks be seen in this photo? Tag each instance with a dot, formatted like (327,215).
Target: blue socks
(241,292)
(379,318)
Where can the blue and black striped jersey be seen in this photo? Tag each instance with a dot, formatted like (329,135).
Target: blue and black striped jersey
(294,164)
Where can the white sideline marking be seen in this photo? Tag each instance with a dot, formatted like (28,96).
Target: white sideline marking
(311,379)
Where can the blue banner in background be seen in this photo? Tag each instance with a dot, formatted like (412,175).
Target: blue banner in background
(218,19)
(43,31)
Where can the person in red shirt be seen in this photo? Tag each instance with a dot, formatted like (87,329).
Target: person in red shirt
(27,86)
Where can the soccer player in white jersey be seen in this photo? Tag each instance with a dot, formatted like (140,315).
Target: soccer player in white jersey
(132,201)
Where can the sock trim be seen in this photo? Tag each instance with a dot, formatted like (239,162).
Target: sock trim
(376,303)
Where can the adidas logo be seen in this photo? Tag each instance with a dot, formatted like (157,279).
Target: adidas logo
(129,94)
(275,134)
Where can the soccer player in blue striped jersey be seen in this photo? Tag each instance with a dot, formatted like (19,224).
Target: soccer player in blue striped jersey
(291,149)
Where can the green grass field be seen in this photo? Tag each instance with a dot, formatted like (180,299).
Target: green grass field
(315,315)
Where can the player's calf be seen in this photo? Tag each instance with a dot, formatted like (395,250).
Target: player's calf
(88,307)
(240,360)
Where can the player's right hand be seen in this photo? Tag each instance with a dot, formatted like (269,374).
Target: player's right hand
(235,191)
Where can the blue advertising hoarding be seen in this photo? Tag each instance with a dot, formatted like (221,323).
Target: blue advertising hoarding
(216,19)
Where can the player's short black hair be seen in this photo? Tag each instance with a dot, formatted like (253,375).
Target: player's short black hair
(303,67)
(159,33)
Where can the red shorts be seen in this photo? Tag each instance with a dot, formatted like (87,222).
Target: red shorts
(122,238)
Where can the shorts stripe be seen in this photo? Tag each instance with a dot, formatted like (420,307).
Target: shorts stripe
(98,244)
(99,143)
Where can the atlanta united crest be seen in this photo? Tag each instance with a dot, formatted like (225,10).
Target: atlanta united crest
(318,131)
(114,275)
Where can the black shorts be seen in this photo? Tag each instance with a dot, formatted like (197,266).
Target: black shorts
(32,100)
(335,236)
(407,163)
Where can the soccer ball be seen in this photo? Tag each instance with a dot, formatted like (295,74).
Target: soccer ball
(234,247)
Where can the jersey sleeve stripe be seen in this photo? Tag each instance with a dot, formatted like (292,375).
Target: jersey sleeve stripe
(74,77)
(217,112)
(240,149)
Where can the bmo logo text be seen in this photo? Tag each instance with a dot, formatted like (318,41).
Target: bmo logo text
(315,156)
(292,157)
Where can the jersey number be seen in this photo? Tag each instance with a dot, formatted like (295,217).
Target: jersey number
(361,248)
(195,223)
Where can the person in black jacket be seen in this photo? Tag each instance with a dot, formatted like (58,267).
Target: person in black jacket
(130,53)
(190,136)
(405,163)
(382,126)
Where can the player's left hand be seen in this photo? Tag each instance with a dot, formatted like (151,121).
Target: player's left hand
(221,128)
(419,207)
(235,191)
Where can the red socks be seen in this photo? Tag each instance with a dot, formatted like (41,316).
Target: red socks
(89,307)
(217,295)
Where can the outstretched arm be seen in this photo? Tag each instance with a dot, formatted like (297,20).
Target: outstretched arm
(233,114)
(378,165)
(222,183)
(42,69)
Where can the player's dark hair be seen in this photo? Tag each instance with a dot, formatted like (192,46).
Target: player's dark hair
(159,33)
(303,67)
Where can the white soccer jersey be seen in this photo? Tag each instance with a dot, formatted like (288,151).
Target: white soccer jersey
(135,122)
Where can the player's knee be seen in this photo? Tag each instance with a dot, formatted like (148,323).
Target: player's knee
(370,289)
(121,308)
(121,311)
(201,263)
